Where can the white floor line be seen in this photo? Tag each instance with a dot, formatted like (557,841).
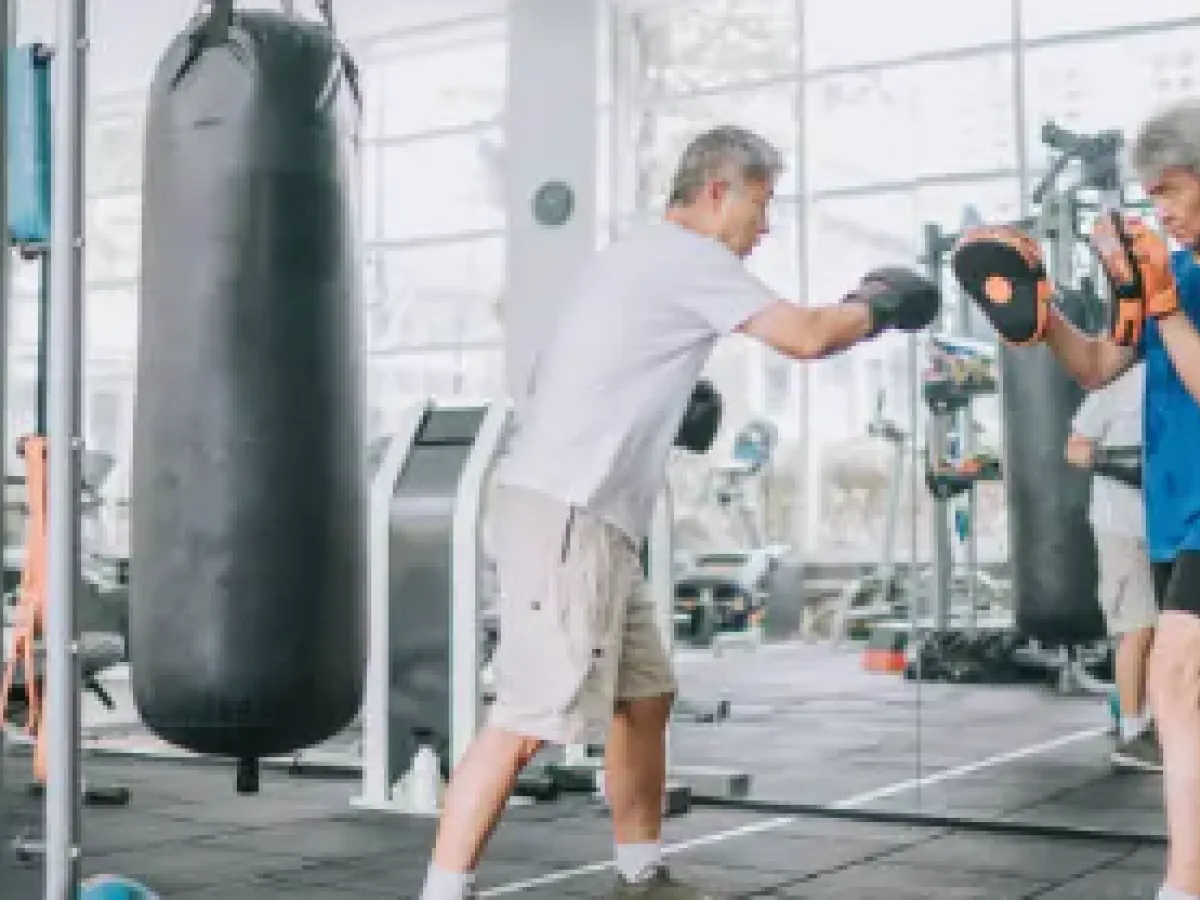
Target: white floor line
(858,800)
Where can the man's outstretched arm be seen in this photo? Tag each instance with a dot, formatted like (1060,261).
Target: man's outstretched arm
(813,332)
(886,298)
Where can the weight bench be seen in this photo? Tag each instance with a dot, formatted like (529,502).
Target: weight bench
(98,651)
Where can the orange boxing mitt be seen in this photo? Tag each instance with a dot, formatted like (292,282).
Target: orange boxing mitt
(1001,269)
(1137,264)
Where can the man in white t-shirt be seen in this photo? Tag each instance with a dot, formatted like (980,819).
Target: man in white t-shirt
(1111,417)
(580,658)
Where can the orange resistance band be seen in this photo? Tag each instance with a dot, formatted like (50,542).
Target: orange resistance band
(31,601)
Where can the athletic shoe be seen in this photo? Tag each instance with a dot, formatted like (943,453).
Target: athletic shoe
(661,885)
(1141,754)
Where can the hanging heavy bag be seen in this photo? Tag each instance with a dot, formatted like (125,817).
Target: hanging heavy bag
(248,550)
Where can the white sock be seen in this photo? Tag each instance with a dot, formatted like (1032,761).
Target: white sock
(442,885)
(636,861)
(1132,726)
(1169,893)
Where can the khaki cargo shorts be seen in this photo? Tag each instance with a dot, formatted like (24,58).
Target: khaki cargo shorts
(1126,584)
(577,630)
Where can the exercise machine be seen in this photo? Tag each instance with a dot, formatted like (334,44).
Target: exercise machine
(423,688)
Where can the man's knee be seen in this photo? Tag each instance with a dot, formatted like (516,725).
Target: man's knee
(646,712)
(520,747)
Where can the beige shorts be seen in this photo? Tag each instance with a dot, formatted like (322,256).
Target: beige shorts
(1126,584)
(577,631)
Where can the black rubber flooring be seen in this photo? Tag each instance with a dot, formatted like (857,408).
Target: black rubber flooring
(189,836)
(812,727)
(808,724)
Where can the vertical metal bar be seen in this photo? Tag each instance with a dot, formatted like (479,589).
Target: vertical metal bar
(943,549)
(1024,210)
(1020,113)
(7,36)
(968,443)
(43,337)
(804,499)
(65,373)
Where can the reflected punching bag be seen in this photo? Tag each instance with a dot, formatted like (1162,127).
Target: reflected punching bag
(248,547)
(1052,550)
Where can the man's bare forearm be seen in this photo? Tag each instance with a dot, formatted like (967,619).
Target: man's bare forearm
(1182,342)
(1091,361)
(838,327)
(807,333)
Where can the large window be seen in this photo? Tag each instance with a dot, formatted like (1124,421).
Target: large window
(444,294)
(446,80)
(1079,86)
(437,186)
(114,239)
(706,45)
(433,211)
(866,31)
(901,123)
(1056,18)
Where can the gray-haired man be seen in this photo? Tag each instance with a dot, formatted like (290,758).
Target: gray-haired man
(580,657)
(1156,304)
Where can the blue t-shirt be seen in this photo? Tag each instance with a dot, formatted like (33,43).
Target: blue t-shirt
(1171,434)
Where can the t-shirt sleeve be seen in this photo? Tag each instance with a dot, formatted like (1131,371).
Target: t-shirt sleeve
(1091,419)
(716,286)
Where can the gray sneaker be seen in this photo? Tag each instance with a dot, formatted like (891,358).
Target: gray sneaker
(1141,754)
(660,885)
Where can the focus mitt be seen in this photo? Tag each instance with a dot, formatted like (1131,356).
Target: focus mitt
(1001,269)
(1137,264)
(897,298)
(701,420)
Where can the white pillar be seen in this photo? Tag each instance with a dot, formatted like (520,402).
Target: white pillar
(551,137)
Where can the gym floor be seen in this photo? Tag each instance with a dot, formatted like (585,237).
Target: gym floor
(807,723)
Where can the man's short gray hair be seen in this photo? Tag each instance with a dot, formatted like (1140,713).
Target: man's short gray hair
(1170,139)
(724,152)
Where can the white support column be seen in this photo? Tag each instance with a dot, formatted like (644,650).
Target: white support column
(551,138)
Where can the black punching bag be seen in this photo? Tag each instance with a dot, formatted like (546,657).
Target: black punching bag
(1051,545)
(248,546)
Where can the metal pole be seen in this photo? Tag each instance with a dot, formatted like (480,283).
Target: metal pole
(967,437)
(7,35)
(65,377)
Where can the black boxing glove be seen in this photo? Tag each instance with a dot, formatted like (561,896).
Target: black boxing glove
(701,420)
(898,298)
